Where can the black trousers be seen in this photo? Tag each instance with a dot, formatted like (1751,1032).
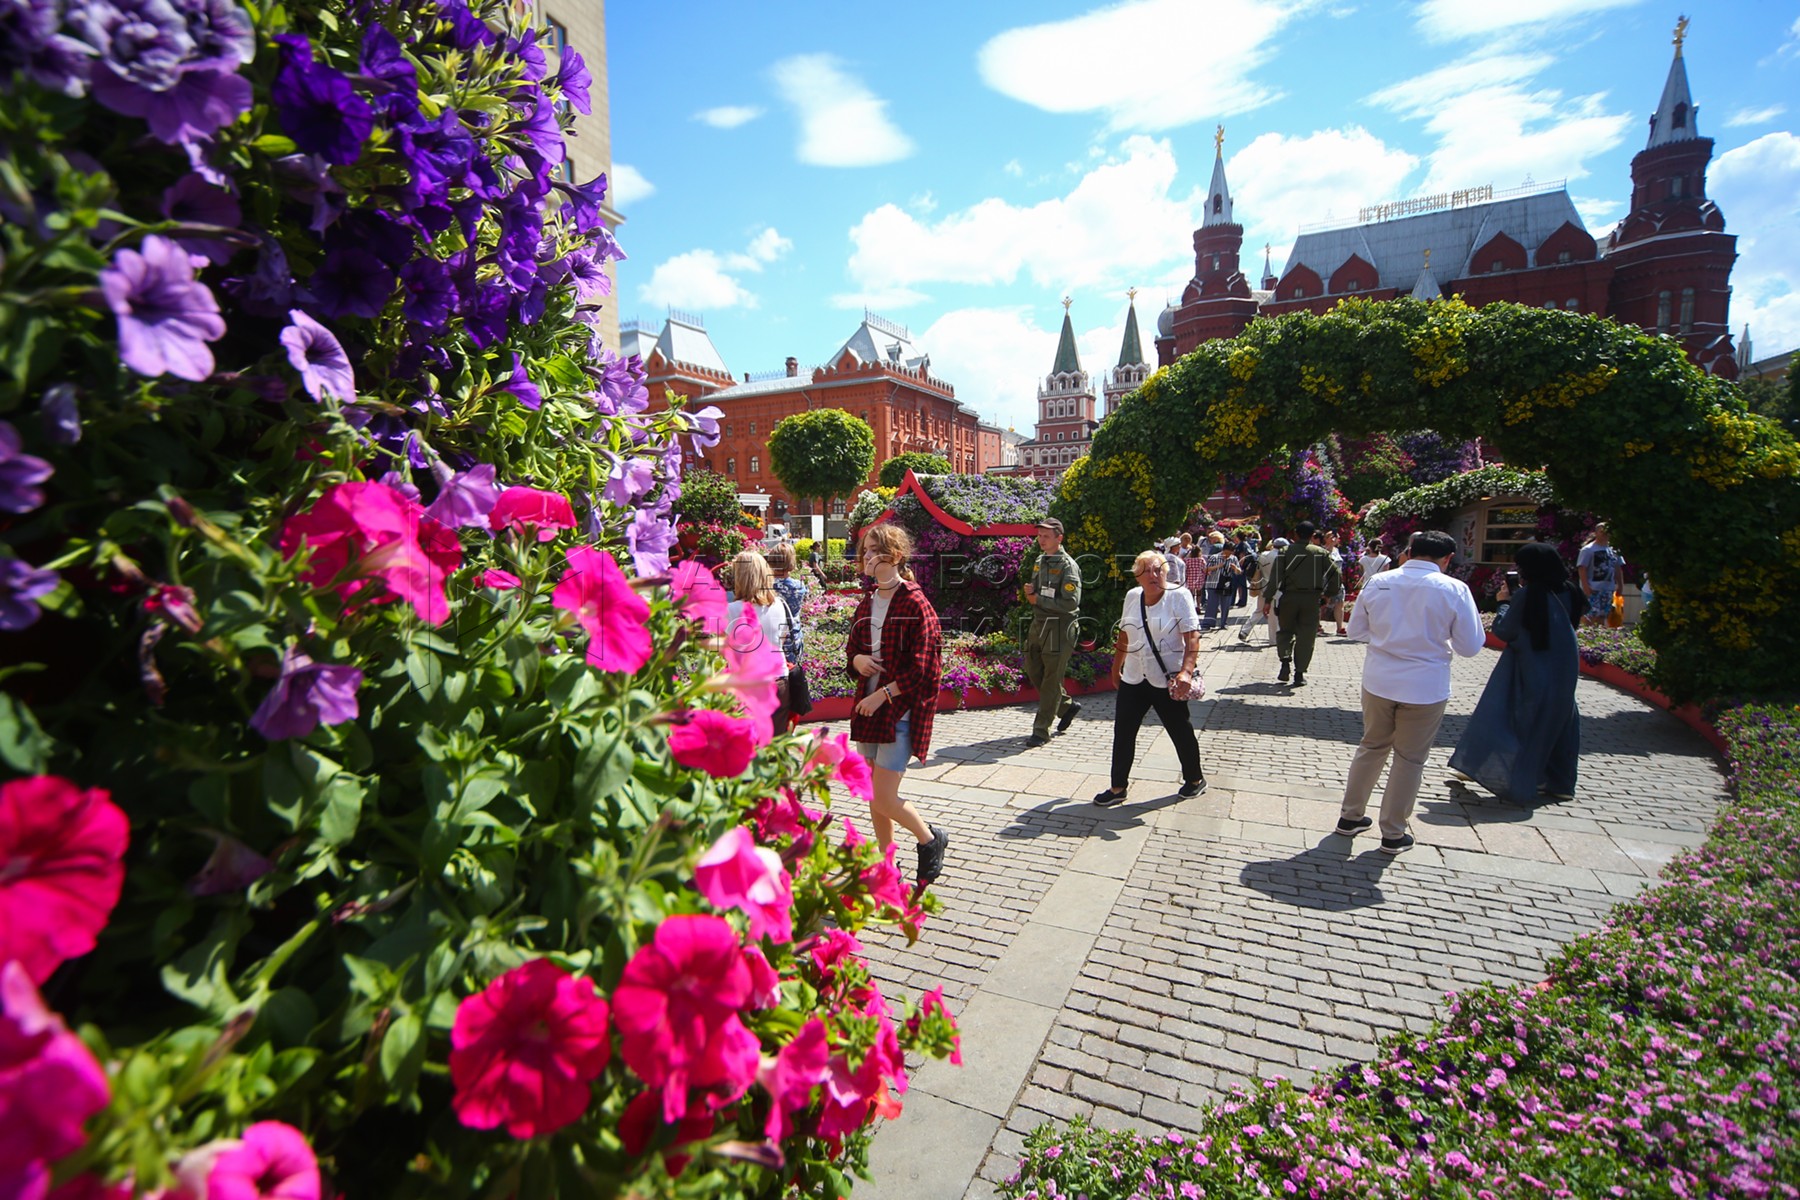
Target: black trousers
(1136,699)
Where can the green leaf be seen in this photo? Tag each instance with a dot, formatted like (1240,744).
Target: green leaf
(602,768)
(343,809)
(275,145)
(403,1051)
(24,746)
(202,975)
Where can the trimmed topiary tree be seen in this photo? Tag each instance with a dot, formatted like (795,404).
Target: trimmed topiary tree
(917,461)
(1618,417)
(823,453)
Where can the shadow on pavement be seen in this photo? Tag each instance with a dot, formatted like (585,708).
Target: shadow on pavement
(1324,877)
(1079,817)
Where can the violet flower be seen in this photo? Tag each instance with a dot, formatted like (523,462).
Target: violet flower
(62,419)
(194,201)
(589,277)
(317,105)
(466,498)
(231,867)
(630,478)
(574,81)
(622,383)
(519,385)
(649,537)
(165,315)
(21,474)
(319,357)
(21,586)
(430,294)
(173,65)
(29,42)
(352,283)
(582,203)
(307,695)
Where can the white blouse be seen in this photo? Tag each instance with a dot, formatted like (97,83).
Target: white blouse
(1170,618)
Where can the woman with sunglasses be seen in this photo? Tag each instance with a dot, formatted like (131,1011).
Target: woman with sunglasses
(1158,629)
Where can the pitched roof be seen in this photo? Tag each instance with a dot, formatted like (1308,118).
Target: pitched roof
(1217,189)
(635,339)
(1132,352)
(1397,248)
(1675,112)
(878,339)
(684,340)
(1067,361)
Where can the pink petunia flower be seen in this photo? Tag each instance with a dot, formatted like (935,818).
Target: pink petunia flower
(847,764)
(699,596)
(525,1049)
(529,508)
(501,581)
(50,1083)
(614,615)
(642,1121)
(790,1077)
(784,816)
(385,538)
(677,1009)
(737,873)
(852,1097)
(270,1162)
(60,870)
(884,883)
(931,1005)
(717,743)
(753,670)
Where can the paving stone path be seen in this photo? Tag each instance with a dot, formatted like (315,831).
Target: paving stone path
(1130,964)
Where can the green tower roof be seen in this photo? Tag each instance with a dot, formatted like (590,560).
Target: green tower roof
(1132,352)
(1067,361)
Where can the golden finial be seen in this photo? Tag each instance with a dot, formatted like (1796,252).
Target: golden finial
(1681,25)
(1428,256)
(1131,295)
(1219,139)
(1066,303)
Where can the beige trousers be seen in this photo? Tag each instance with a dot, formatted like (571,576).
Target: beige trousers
(1408,731)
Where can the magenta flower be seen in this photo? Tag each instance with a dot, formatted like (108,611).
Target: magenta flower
(272,1161)
(784,816)
(60,870)
(522,508)
(50,1083)
(165,315)
(754,670)
(790,1077)
(852,1096)
(717,743)
(307,695)
(525,1049)
(699,596)
(677,1010)
(614,615)
(385,539)
(22,475)
(737,873)
(847,764)
(316,353)
(502,581)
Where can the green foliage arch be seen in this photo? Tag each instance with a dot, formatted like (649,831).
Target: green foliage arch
(1699,490)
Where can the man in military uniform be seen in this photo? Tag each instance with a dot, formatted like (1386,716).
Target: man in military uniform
(1304,574)
(1055,596)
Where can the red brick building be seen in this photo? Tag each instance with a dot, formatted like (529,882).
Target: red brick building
(1666,267)
(878,374)
(1066,405)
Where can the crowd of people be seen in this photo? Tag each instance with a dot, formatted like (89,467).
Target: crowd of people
(1414,615)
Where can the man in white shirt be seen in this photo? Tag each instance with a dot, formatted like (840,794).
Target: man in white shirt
(1413,619)
(1176,575)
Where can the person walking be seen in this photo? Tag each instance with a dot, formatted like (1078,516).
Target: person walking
(753,587)
(1334,600)
(1262,594)
(1177,569)
(1223,577)
(1525,737)
(1374,560)
(1055,597)
(793,594)
(1413,619)
(1158,628)
(1304,574)
(1597,563)
(895,655)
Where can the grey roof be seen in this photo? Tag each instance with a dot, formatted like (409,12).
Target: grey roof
(1663,126)
(635,339)
(1397,248)
(880,340)
(684,340)
(762,387)
(1428,288)
(1217,188)
(1165,321)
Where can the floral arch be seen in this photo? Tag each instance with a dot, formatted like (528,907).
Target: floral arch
(1619,419)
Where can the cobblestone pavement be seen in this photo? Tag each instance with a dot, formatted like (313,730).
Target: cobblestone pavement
(1130,964)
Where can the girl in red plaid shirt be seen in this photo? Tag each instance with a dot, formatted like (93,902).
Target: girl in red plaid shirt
(895,655)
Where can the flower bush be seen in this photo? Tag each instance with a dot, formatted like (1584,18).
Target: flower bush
(1656,1059)
(1622,648)
(388,819)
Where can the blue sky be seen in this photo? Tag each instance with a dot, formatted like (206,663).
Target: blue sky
(962,167)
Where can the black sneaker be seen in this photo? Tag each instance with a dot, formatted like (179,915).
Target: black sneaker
(1106,798)
(1397,845)
(1352,828)
(1068,717)
(1299,679)
(1188,791)
(1036,740)
(1286,666)
(931,855)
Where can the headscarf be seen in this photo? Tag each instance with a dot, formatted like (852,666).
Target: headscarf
(1543,574)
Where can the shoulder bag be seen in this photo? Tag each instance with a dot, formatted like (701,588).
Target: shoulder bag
(1195,689)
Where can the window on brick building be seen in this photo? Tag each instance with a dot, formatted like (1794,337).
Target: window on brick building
(1680,116)
(1299,293)
(1687,310)
(755,465)
(728,429)
(1499,264)
(731,466)
(1662,311)
(753,429)
(837,507)
(1675,186)
(1059,437)
(1215,262)
(1571,303)
(1563,256)
(1353,285)
(557,35)
(1549,304)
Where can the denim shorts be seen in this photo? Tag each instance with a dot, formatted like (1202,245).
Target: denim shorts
(894,755)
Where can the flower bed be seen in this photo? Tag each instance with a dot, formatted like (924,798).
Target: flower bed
(1657,1058)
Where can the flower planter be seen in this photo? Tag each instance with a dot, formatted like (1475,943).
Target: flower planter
(837,708)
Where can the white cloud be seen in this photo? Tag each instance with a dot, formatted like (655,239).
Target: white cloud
(1145,64)
(879,300)
(629,185)
(1754,116)
(1118,224)
(993,357)
(728,116)
(1491,127)
(1447,20)
(1598,213)
(706,279)
(1757,186)
(842,123)
(1280,183)
(1014,168)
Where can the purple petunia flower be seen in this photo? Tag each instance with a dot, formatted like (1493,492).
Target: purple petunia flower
(430,294)
(542,136)
(519,385)
(574,81)
(21,587)
(589,276)
(268,291)
(307,695)
(166,316)
(194,201)
(352,283)
(630,478)
(62,419)
(319,357)
(196,106)
(465,498)
(29,42)
(484,315)
(317,105)
(705,426)
(175,65)
(467,31)
(383,60)
(526,49)
(622,386)
(21,475)
(378,233)
(307,179)
(649,537)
